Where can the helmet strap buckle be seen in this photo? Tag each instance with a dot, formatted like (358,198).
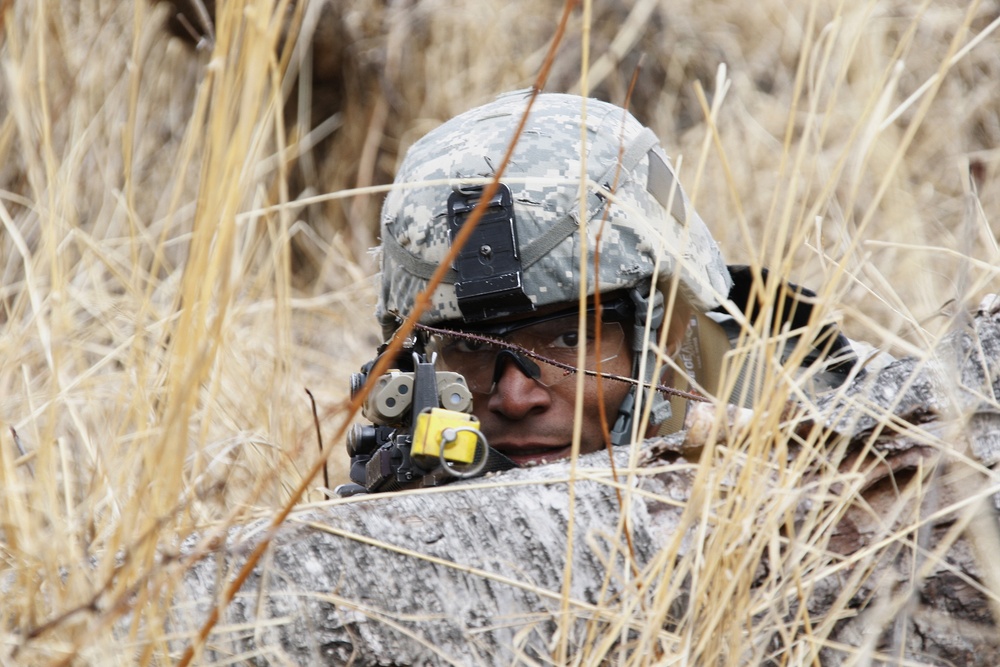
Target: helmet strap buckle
(642,295)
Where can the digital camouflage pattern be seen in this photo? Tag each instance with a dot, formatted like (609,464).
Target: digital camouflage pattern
(544,177)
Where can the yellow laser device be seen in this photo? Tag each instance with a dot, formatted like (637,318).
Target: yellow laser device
(456,432)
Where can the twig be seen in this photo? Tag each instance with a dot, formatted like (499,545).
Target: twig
(421,303)
(319,439)
(17,443)
(22,452)
(206,23)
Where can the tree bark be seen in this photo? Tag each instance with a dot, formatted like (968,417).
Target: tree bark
(474,573)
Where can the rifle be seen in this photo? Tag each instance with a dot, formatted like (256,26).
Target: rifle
(422,432)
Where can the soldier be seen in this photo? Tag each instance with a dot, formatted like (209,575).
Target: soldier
(652,267)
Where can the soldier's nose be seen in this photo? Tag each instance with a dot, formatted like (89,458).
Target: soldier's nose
(515,394)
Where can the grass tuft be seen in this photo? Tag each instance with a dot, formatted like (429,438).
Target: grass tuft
(184,251)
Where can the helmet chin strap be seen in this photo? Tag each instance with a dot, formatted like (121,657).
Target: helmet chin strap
(642,346)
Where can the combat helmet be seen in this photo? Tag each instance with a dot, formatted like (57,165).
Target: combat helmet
(647,218)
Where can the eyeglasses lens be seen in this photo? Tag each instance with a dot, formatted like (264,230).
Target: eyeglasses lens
(556,340)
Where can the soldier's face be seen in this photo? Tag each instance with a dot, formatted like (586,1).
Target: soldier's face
(523,374)
(525,390)
(530,422)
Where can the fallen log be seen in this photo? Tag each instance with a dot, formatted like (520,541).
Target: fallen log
(861,530)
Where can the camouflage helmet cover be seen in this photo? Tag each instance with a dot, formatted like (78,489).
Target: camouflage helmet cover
(544,177)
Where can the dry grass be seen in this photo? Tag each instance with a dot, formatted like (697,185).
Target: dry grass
(164,305)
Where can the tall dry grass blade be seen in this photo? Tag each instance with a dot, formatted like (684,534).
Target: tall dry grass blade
(157,333)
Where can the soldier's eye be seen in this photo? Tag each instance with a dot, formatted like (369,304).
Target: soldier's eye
(568,339)
(466,346)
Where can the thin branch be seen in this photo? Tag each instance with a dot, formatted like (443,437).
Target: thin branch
(319,439)
(421,303)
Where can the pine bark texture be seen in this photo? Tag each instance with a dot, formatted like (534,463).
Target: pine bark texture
(474,573)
